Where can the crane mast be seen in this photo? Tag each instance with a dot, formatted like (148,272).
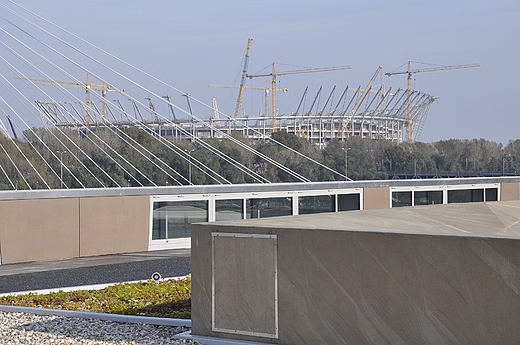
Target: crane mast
(274,75)
(170,106)
(409,88)
(215,108)
(238,108)
(364,93)
(265,89)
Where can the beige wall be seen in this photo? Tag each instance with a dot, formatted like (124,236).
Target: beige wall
(114,225)
(48,229)
(39,229)
(377,197)
(510,191)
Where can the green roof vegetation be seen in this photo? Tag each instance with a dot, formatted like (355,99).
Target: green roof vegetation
(168,299)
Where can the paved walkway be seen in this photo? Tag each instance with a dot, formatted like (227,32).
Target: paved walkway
(93,270)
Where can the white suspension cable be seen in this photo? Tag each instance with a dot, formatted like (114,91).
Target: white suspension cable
(28,141)
(29,162)
(55,66)
(117,163)
(7,176)
(58,139)
(280,166)
(15,166)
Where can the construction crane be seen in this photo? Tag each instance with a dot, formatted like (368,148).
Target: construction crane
(275,74)
(170,106)
(409,89)
(152,108)
(216,115)
(364,94)
(88,86)
(238,108)
(265,89)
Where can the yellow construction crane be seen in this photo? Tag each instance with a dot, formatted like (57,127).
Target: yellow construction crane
(360,100)
(409,89)
(238,108)
(265,89)
(88,86)
(275,74)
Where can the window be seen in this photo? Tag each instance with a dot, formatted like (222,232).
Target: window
(231,209)
(172,219)
(400,199)
(465,195)
(348,202)
(268,207)
(316,204)
(427,197)
(491,194)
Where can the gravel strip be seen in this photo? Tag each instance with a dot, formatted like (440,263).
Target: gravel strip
(22,328)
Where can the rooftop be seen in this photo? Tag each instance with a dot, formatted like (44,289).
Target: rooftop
(492,219)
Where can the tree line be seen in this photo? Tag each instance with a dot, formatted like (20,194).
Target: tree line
(43,158)
(370,159)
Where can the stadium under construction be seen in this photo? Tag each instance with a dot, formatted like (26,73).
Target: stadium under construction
(367,112)
(50,103)
(364,112)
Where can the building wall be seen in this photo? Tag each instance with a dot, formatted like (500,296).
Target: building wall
(510,191)
(344,287)
(376,197)
(57,224)
(111,225)
(47,229)
(39,229)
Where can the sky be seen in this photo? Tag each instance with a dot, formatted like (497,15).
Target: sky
(192,44)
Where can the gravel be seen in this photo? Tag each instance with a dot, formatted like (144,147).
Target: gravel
(22,328)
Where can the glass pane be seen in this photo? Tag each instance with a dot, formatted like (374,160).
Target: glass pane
(232,209)
(465,195)
(400,199)
(315,204)
(428,197)
(268,207)
(491,194)
(172,219)
(348,202)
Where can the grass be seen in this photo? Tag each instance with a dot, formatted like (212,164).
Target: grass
(169,299)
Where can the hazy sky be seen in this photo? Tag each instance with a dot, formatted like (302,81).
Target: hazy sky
(191,44)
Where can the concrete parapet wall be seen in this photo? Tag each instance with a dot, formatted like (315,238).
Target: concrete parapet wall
(57,224)
(510,191)
(364,287)
(39,229)
(47,229)
(114,225)
(376,197)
